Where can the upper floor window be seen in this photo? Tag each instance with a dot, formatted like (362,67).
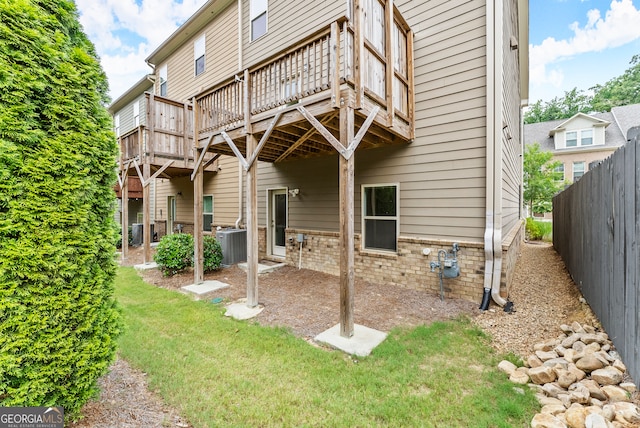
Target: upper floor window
(136,113)
(578,170)
(116,124)
(380,217)
(579,138)
(162,73)
(258,18)
(198,55)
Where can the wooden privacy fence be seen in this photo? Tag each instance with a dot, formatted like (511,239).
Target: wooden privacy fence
(596,226)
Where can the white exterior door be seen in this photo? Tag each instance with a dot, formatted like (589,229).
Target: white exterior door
(278,222)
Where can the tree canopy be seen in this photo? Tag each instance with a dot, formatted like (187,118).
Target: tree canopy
(58,319)
(619,91)
(541,181)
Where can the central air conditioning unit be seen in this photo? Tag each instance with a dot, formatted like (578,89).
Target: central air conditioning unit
(234,245)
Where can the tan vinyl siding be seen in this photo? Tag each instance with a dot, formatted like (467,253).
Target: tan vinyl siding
(441,175)
(223,187)
(512,144)
(221,58)
(126,115)
(288,22)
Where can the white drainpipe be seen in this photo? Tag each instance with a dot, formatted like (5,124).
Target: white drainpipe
(493,198)
(239,219)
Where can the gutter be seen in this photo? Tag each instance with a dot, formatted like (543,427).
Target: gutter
(493,197)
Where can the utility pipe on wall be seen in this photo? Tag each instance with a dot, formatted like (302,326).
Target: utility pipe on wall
(240,188)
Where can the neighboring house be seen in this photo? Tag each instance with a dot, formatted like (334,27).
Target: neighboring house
(584,140)
(429,93)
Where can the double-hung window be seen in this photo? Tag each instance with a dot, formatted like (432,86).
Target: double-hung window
(380,219)
(258,18)
(583,137)
(207,212)
(162,73)
(578,170)
(198,54)
(136,113)
(116,124)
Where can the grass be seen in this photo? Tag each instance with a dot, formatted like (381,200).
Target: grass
(221,372)
(539,230)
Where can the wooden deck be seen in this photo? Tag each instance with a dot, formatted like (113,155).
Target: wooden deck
(336,67)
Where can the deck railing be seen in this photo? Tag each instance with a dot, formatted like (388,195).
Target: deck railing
(131,143)
(319,63)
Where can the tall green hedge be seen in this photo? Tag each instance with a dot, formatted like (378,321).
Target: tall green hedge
(58,319)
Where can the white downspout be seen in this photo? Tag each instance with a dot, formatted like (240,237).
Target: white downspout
(498,139)
(493,197)
(240,188)
(240,169)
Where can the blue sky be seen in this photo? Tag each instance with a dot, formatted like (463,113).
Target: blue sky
(573,43)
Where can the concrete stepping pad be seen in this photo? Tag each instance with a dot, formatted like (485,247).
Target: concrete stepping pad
(363,341)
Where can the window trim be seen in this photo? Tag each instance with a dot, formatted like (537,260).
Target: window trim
(204,213)
(258,8)
(163,80)
(199,51)
(584,170)
(365,217)
(116,124)
(579,138)
(136,113)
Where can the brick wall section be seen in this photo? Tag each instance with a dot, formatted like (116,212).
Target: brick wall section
(409,267)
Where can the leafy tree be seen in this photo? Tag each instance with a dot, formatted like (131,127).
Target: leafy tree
(58,318)
(573,102)
(540,179)
(619,91)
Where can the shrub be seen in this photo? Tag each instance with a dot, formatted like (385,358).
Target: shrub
(538,230)
(174,253)
(212,253)
(58,319)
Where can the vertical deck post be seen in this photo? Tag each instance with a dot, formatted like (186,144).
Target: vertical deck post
(252,227)
(347,258)
(198,234)
(335,65)
(124,221)
(358,52)
(389,58)
(198,189)
(146,209)
(124,193)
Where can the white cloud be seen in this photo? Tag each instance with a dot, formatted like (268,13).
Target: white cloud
(125,32)
(620,25)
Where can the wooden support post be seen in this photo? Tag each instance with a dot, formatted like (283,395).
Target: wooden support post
(198,234)
(198,190)
(124,192)
(335,65)
(252,227)
(347,258)
(389,26)
(358,52)
(146,203)
(411,92)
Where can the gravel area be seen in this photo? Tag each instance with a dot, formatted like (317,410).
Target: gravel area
(307,302)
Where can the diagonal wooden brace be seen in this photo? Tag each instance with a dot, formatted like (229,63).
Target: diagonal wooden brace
(235,150)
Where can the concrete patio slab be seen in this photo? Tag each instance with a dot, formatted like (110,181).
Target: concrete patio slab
(145,266)
(263,268)
(240,311)
(363,341)
(205,287)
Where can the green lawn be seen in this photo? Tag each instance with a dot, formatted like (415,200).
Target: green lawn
(221,372)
